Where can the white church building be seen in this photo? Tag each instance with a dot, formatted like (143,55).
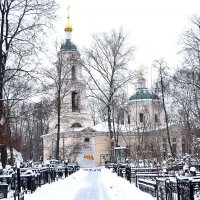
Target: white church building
(142,130)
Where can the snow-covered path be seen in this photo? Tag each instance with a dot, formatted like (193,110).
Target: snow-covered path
(89,185)
(93,187)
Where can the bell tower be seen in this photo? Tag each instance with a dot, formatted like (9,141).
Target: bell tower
(75,102)
(66,129)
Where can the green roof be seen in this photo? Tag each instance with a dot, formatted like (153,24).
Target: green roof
(68,46)
(143,93)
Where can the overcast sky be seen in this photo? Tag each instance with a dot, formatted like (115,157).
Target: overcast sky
(154,26)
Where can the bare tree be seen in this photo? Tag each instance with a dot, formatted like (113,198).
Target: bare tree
(23,25)
(163,85)
(106,63)
(190,50)
(95,110)
(28,122)
(185,84)
(189,74)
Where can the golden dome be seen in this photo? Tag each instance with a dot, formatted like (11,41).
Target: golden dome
(68,27)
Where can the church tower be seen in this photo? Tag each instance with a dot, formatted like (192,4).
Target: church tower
(74,115)
(145,108)
(75,112)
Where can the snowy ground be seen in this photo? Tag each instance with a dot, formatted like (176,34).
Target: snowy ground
(89,185)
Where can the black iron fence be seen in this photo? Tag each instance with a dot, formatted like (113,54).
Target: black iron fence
(161,185)
(171,188)
(31,178)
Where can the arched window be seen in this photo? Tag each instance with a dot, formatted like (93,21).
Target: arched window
(76,125)
(156,118)
(129,119)
(74,73)
(75,102)
(141,116)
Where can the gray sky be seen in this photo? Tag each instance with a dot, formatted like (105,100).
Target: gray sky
(153,25)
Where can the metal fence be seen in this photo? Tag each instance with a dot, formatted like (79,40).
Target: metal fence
(30,178)
(176,188)
(162,186)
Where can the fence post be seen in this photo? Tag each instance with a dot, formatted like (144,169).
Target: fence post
(40,175)
(20,195)
(191,190)
(14,185)
(156,194)
(177,188)
(128,173)
(155,189)
(136,180)
(46,176)
(118,172)
(18,179)
(115,168)
(66,171)
(168,192)
(31,183)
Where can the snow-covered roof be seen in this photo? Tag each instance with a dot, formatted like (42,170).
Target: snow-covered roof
(71,130)
(103,128)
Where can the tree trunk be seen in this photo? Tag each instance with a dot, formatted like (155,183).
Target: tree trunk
(58,127)
(165,111)
(111,134)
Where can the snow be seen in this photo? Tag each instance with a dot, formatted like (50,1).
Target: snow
(17,155)
(103,127)
(90,184)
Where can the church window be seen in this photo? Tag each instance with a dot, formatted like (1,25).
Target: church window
(87,139)
(129,119)
(174,145)
(156,118)
(76,125)
(174,148)
(121,116)
(141,115)
(183,148)
(74,73)
(75,102)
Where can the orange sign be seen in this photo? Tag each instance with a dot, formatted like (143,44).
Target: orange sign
(89,157)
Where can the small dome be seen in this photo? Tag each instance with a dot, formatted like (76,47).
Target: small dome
(68,27)
(68,46)
(143,93)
